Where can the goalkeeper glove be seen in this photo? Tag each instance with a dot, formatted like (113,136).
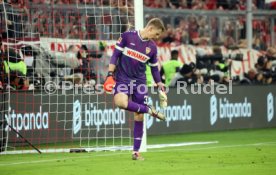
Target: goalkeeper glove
(109,82)
(163,99)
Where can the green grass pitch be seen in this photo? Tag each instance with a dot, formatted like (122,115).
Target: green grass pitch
(237,152)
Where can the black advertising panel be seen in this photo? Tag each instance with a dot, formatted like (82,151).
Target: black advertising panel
(245,107)
(46,118)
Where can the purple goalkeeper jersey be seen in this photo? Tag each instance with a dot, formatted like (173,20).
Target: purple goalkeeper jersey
(133,54)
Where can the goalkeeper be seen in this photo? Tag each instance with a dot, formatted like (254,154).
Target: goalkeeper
(133,50)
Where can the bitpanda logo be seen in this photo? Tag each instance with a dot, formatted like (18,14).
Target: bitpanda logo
(27,121)
(95,117)
(213,110)
(270,107)
(77,117)
(223,109)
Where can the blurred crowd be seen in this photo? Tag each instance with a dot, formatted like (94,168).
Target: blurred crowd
(188,30)
(83,24)
(174,4)
(208,4)
(215,67)
(28,67)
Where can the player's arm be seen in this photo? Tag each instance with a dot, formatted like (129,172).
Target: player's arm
(153,63)
(109,82)
(111,67)
(117,53)
(162,94)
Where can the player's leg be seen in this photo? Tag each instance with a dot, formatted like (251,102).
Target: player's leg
(121,94)
(139,98)
(137,135)
(121,100)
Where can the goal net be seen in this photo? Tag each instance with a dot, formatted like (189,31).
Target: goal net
(54,60)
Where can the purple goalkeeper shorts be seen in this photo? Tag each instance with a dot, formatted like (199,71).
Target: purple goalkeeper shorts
(137,92)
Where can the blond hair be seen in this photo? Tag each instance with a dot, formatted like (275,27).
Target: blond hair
(156,22)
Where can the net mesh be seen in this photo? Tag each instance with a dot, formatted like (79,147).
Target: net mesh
(60,54)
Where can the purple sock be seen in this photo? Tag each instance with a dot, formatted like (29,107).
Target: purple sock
(137,134)
(135,107)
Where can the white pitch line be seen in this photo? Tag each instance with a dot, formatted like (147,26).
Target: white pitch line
(179,144)
(214,147)
(108,148)
(120,153)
